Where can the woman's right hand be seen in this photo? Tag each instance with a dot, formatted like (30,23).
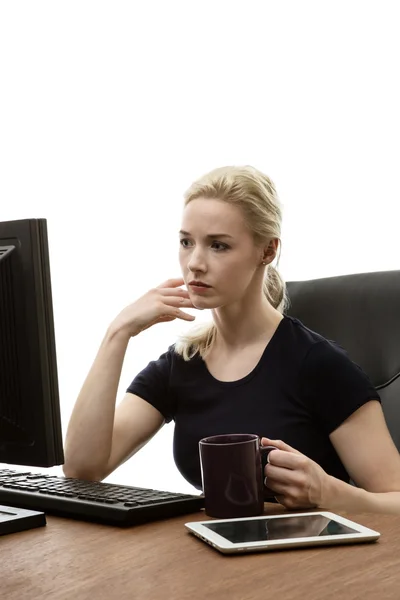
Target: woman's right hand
(161,304)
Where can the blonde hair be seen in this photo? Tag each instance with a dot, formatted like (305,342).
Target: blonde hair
(255,194)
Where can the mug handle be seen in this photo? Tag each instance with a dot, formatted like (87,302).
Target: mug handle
(264,451)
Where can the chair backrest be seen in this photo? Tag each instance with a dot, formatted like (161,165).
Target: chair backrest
(361,313)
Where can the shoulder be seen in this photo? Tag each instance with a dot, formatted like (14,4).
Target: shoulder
(315,347)
(301,334)
(173,361)
(328,371)
(331,385)
(300,346)
(161,366)
(322,359)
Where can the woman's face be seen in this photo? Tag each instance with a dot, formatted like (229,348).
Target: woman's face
(218,253)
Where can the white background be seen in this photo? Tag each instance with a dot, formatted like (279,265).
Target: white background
(109,110)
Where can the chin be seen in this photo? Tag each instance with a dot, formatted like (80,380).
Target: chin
(216,302)
(206,303)
(201,304)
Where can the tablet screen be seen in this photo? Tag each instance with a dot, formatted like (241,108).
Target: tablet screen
(264,528)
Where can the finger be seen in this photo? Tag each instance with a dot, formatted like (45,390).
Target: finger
(177,301)
(173,292)
(287,460)
(186,316)
(279,444)
(165,319)
(175,314)
(291,501)
(277,487)
(287,495)
(171,302)
(282,475)
(179,314)
(172,283)
(288,503)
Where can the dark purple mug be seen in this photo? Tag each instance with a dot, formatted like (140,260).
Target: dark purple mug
(232,471)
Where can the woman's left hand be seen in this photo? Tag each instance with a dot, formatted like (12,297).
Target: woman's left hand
(296,480)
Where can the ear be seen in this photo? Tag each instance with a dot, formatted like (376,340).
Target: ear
(270,251)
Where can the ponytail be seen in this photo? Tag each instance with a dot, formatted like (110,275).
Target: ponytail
(275,289)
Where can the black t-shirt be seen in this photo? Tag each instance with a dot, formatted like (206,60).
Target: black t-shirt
(301,390)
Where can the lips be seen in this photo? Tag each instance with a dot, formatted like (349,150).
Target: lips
(199,284)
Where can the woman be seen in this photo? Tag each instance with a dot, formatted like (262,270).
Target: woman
(252,370)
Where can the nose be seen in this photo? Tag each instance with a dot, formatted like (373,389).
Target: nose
(196,261)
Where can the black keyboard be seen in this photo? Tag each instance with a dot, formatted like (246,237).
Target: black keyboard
(92,500)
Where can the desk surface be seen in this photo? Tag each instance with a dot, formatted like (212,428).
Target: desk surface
(75,560)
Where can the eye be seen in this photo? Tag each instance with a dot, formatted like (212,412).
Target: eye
(184,242)
(219,246)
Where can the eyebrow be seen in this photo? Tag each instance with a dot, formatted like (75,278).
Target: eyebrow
(210,235)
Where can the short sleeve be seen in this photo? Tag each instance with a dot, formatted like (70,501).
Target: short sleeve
(152,384)
(332,386)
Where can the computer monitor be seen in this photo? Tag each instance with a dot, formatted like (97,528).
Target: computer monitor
(30,423)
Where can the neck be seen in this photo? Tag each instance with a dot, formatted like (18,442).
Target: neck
(244,323)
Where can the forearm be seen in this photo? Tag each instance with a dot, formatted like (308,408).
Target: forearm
(341,496)
(89,434)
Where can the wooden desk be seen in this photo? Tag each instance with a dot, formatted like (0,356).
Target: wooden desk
(75,560)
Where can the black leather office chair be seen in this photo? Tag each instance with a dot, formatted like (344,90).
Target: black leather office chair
(362,313)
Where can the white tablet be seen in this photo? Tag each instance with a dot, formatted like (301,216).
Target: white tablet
(274,532)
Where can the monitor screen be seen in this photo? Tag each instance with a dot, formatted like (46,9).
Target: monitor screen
(30,424)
